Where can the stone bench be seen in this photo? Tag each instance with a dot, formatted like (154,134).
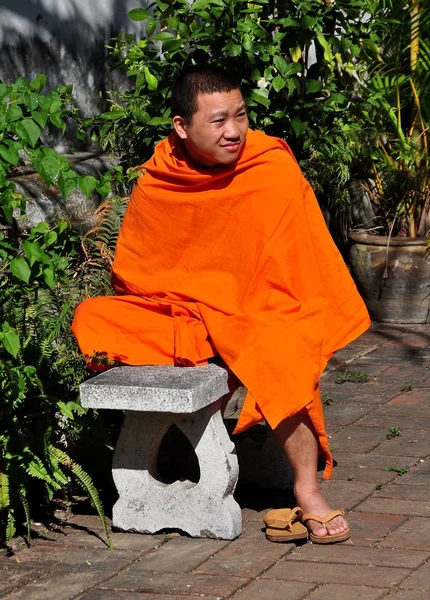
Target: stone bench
(153,399)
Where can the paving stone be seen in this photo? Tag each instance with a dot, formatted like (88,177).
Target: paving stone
(420,580)
(414,534)
(372,460)
(12,575)
(368,528)
(419,475)
(340,592)
(412,442)
(86,522)
(395,416)
(403,492)
(181,555)
(117,595)
(362,474)
(406,595)
(357,439)
(246,557)
(419,397)
(400,374)
(348,554)
(60,585)
(345,413)
(180,583)
(396,507)
(121,541)
(381,577)
(263,589)
(86,558)
(346,495)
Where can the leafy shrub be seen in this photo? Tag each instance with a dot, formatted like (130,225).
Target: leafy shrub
(298,62)
(44,274)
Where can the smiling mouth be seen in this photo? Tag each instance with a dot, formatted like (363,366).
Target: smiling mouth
(232,147)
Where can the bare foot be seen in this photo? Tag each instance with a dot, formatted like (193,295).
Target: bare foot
(312,501)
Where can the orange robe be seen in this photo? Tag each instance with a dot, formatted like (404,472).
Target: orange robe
(232,260)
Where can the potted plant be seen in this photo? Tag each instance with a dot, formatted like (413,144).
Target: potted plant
(388,255)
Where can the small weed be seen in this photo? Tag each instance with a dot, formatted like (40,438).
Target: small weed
(393,432)
(351,477)
(327,399)
(407,386)
(399,470)
(378,486)
(352,377)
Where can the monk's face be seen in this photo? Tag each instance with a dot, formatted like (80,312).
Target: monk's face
(217,131)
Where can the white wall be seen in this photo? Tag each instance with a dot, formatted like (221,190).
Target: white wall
(64,39)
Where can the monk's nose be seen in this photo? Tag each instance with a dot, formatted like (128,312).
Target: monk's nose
(232,131)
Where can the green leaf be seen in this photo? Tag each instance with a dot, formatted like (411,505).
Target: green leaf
(278,83)
(28,131)
(280,64)
(138,14)
(11,342)
(313,86)
(41,227)
(164,35)
(48,169)
(233,49)
(56,120)
(67,182)
(113,114)
(292,69)
(21,269)
(151,80)
(296,53)
(39,83)
(49,277)
(328,55)
(50,238)
(34,252)
(260,95)
(39,117)
(10,155)
(14,113)
(87,184)
(65,409)
(151,26)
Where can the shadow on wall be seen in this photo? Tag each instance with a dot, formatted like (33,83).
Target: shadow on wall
(65,39)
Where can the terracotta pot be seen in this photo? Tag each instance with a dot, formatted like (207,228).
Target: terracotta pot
(395,285)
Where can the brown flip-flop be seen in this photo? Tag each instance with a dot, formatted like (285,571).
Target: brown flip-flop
(327,539)
(283,525)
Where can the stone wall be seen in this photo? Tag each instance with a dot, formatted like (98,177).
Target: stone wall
(65,39)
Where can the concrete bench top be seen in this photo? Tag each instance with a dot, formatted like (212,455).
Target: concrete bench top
(156,388)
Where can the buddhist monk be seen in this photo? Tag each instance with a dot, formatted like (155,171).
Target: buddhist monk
(224,253)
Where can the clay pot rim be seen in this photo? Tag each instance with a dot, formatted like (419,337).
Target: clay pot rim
(382,240)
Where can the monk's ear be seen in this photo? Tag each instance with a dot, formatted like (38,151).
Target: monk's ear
(180,127)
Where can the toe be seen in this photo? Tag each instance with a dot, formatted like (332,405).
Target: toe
(337,525)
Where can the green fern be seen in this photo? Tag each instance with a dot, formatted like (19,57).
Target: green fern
(10,526)
(87,484)
(26,507)
(4,491)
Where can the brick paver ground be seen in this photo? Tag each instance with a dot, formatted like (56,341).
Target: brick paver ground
(384,483)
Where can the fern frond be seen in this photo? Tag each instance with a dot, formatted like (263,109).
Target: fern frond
(4,491)
(26,507)
(10,525)
(87,484)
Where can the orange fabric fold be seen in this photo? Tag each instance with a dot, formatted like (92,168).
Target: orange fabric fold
(234,260)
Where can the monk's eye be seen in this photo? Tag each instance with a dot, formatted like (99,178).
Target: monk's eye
(218,121)
(242,114)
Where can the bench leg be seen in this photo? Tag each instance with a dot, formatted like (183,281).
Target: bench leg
(203,509)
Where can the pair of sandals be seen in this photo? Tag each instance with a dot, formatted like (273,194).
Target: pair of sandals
(289,525)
